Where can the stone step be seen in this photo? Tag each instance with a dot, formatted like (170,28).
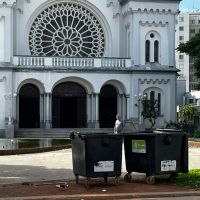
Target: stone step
(56,133)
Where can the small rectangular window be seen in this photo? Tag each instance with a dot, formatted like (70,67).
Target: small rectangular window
(181,57)
(181,28)
(181,38)
(181,19)
(192,30)
(191,100)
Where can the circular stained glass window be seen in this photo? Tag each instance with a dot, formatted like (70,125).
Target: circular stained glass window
(66,29)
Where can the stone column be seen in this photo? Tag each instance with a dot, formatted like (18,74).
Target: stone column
(96,97)
(127,106)
(119,105)
(42,119)
(9,127)
(89,110)
(47,110)
(14,106)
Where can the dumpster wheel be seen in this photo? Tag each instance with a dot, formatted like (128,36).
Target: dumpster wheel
(116,180)
(88,182)
(150,180)
(76,178)
(128,177)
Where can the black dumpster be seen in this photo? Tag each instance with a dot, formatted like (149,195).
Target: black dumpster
(163,151)
(96,155)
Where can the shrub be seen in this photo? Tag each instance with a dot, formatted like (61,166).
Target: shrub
(197,134)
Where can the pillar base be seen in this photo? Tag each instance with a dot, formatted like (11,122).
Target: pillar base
(96,125)
(47,125)
(10,131)
(93,125)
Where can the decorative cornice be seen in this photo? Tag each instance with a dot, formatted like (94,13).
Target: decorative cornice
(116,6)
(153,23)
(7,3)
(150,11)
(154,81)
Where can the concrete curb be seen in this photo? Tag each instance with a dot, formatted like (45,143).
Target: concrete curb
(107,196)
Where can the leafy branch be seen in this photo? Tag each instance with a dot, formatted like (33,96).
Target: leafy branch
(150,111)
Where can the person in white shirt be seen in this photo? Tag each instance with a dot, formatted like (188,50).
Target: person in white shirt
(118,125)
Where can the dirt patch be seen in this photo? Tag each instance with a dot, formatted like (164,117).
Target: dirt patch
(97,186)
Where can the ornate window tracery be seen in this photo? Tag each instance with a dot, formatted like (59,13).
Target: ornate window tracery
(66,29)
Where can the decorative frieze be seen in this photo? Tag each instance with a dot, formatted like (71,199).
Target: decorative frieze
(149,11)
(7,3)
(154,81)
(153,23)
(116,6)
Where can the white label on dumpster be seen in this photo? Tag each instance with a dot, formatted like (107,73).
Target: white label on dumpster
(168,165)
(104,166)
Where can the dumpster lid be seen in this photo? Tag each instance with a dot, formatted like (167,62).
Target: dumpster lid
(169,131)
(96,135)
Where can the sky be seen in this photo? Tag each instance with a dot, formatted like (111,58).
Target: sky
(190,5)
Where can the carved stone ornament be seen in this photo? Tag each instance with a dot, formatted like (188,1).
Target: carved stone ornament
(154,81)
(116,6)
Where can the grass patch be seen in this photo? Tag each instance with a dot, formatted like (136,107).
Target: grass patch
(192,179)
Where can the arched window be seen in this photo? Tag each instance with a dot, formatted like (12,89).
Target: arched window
(152,95)
(147,51)
(156,50)
(159,103)
(155,95)
(152,47)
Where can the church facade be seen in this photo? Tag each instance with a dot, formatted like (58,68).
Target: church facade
(76,64)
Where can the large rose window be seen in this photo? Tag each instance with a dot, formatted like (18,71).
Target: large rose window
(66,29)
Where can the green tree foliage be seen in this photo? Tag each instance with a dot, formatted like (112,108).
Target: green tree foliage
(150,111)
(187,113)
(192,48)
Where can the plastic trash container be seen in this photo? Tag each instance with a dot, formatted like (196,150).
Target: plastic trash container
(163,151)
(96,155)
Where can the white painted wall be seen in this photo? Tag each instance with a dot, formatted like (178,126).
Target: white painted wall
(2,19)
(6,28)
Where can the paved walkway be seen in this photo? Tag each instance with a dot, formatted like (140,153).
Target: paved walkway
(55,165)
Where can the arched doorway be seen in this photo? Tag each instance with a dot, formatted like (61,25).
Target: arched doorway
(69,106)
(29,106)
(107,106)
